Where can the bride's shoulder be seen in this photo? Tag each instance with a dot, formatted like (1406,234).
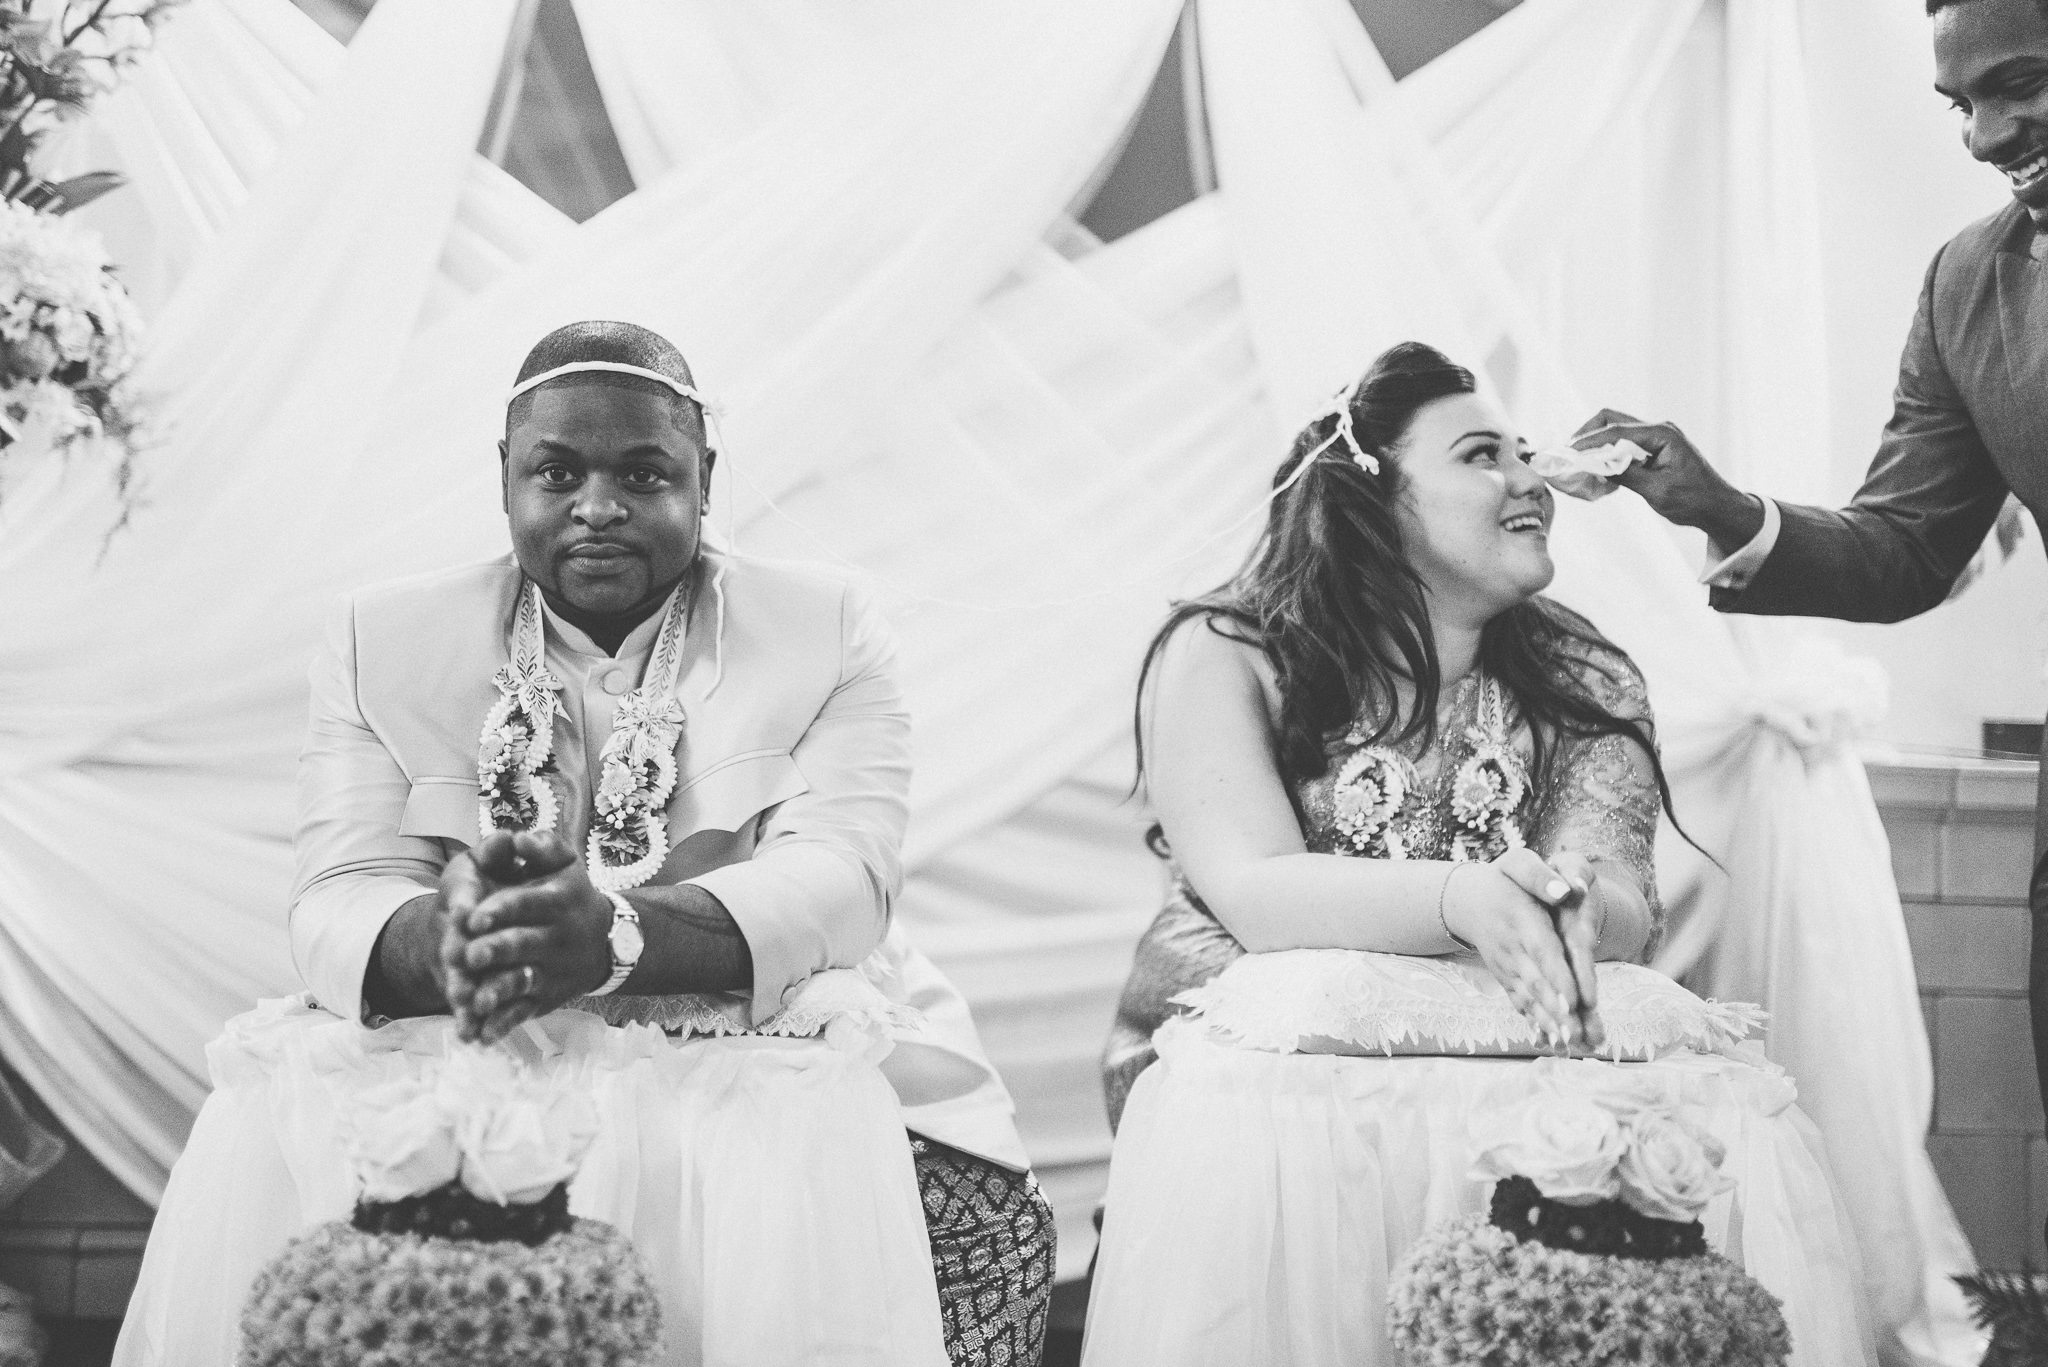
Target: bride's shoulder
(1212,648)
(1599,668)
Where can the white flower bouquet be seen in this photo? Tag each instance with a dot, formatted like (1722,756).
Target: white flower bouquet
(1592,1253)
(68,332)
(461,1249)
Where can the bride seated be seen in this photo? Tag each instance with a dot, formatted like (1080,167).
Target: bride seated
(1380,744)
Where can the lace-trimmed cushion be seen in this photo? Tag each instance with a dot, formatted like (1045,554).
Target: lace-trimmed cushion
(1340,1001)
(833,1003)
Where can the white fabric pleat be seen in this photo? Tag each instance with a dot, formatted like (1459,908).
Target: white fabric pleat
(147,770)
(1260,1203)
(739,1167)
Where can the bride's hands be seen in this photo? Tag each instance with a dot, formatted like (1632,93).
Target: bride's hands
(1580,920)
(1504,910)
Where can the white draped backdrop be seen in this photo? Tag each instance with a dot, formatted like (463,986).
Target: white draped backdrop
(854,215)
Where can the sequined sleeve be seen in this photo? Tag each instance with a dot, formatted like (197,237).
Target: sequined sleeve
(1598,795)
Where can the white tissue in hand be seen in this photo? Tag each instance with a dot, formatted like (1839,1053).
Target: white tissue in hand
(1586,474)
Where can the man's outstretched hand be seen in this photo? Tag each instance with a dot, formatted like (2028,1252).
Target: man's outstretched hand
(527,931)
(1676,480)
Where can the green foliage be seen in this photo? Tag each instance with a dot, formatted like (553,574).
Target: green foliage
(2014,1307)
(51,69)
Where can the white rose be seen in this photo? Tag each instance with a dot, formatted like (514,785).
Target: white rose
(515,1151)
(73,333)
(1567,1146)
(401,1144)
(1671,1169)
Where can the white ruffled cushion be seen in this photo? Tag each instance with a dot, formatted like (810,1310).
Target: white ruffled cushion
(1342,1001)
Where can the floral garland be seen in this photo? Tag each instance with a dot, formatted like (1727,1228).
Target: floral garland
(1490,785)
(516,762)
(1374,784)
(1372,787)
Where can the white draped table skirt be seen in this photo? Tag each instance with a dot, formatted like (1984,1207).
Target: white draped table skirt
(766,1182)
(1258,1202)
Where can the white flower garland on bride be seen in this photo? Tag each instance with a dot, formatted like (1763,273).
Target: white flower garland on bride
(516,761)
(1374,785)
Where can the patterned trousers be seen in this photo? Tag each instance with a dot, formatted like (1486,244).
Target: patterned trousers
(992,1254)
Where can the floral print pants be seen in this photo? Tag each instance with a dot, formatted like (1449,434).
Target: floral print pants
(992,1252)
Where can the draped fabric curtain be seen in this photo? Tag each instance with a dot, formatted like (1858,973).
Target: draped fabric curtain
(853,218)
(330,409)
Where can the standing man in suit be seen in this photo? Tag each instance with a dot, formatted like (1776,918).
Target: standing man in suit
(1970,415)
(695,767)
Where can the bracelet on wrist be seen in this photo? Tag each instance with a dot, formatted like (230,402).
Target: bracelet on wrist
(1460,941)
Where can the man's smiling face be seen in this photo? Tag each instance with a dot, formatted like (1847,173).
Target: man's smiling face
(1991,61)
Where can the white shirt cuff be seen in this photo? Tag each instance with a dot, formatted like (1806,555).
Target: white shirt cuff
(334,932)
(802,910)
(1735,571)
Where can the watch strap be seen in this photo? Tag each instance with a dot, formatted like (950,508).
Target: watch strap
(622,910)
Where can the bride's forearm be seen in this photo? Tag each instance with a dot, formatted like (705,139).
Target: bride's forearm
(1328,901)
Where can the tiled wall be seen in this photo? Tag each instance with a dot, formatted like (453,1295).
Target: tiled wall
(74,1240)
(1962,840)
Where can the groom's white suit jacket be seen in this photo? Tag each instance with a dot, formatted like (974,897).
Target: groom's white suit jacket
(790,802)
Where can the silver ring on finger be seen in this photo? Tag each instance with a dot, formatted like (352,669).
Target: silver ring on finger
(527,978)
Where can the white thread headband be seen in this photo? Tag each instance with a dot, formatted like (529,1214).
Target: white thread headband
(1340,408)
(688,391)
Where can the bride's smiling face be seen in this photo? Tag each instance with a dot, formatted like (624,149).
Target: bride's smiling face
(1474,516)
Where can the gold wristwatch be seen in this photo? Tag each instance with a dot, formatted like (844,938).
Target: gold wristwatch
(626,942)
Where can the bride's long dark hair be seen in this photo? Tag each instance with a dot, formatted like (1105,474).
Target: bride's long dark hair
(1329,596)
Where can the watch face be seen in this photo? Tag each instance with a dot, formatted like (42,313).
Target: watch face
(627,942)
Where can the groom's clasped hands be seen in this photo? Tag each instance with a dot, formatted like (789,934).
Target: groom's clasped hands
(526,931)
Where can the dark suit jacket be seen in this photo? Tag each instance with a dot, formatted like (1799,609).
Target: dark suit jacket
(1969,422)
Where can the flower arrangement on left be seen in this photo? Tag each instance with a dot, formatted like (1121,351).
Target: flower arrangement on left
(69,334)
(461,1249)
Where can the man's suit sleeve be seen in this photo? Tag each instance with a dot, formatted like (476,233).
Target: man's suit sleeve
(818,890)
(1931,495)
(354,869)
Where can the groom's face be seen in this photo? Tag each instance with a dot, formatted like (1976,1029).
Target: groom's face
(1991,61)
(604,489)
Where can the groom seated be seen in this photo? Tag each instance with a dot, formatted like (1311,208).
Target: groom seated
(705,759)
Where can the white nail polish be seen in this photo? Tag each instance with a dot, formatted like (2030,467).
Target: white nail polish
(1556,889)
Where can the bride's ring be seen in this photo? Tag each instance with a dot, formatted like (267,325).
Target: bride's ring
(526,980)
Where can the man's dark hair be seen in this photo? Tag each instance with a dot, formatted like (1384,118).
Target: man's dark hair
(621,343)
